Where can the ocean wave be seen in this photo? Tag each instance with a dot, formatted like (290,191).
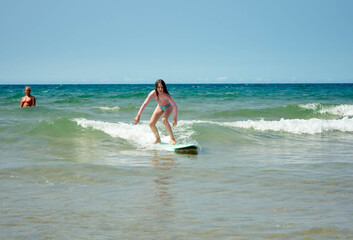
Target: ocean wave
(295,126)
(139,135)
(290,111)
(113,109)
(343,110)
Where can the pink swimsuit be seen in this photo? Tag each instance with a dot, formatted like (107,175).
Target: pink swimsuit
(28,100)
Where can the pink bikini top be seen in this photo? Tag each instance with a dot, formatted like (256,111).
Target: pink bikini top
(28,100)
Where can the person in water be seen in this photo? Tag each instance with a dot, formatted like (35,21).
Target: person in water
(165,107)
(28,100)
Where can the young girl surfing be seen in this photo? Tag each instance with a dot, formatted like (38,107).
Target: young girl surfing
(166,106)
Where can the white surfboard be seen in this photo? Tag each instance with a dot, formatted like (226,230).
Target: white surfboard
(180,147)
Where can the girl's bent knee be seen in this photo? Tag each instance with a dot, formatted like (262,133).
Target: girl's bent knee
(164,120)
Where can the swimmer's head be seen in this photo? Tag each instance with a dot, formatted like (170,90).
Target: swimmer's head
(27,89)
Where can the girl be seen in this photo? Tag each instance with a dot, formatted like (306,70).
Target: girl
(165,107)
(28,100)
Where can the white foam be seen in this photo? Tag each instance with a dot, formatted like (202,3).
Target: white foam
(116,108)
(191,122)
(312,106)
(139,135)
(340,110)
(343,110)
(295,126)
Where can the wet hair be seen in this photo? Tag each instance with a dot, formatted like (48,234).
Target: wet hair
(163,85)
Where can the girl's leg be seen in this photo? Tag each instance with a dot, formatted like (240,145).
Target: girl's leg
(165,117)
(155,116)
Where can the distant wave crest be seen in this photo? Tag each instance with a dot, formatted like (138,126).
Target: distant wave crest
(343,110)
(116,108)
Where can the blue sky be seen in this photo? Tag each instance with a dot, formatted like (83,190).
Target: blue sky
(194,41)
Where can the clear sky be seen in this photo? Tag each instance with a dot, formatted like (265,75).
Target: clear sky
(191,41)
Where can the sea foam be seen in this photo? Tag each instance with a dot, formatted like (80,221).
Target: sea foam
(295,126)
(116,108)
(139,135)
(343,110)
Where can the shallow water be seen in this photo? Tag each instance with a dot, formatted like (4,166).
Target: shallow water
(275,162)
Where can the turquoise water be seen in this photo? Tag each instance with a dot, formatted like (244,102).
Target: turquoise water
(275,162)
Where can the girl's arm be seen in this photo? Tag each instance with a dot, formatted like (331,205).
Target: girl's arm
(175,110)
(148,99)
(22,102)
(34,101)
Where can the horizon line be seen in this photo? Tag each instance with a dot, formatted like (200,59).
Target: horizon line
(172,83)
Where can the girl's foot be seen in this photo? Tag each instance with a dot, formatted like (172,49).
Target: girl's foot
(157,141)
(172,142)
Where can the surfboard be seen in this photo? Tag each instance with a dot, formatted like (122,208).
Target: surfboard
(181,147)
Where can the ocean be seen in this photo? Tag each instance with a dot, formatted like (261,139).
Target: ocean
(275,161)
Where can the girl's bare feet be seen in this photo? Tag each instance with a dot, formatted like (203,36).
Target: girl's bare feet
(157,141)
(172,142)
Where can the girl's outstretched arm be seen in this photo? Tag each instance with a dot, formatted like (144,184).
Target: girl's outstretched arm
(148,99)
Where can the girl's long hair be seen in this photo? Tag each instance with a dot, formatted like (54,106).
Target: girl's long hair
(164,87)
